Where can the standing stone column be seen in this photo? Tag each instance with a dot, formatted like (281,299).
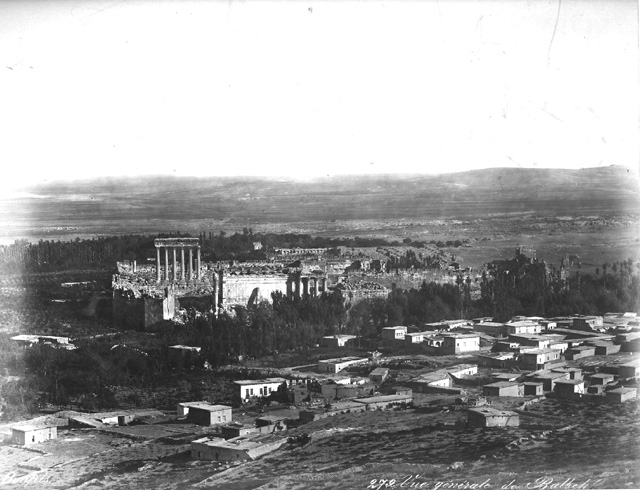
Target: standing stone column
(191,264)
(198,270)
(296,288)
(220,289)
(158,273)
(182,270)
(214,298)
(174,275)
(166,264)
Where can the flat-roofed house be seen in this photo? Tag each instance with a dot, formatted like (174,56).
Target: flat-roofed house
(629,369)
(573,372)
(579,352)
(208,414)
(484,417)
(415,338)
(507,346)
(601,378)
(459,344)
(523,327)
(533,389)
(560,345)
(606,348)
(233,430)
(549,379)
(269,424)
(460,323)
(569,388)
(491,328)
(461,369)
(183,407)
(384,401)
(440,378)
(539,359)
(33,434)
(433,341)
(242,448)
(391,334)
(337,365)
(378,375)
(249,389)
(587,323)
(335,341)
(531,340)
(333,391)
(502,388)
(496,359)
(298,394)
(620,395)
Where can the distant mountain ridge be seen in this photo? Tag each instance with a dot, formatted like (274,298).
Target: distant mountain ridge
(472,194)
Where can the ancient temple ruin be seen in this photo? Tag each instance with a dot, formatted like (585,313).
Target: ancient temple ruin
(150,293)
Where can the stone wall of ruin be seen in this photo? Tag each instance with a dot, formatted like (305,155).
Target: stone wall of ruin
(237,290)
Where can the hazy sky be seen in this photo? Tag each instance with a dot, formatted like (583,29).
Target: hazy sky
(93,88)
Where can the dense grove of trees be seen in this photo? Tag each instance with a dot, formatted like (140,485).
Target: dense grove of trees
(265,328)
(80,378)
(46,256)
(523,287)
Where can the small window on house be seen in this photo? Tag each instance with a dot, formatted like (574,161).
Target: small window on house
(198,454)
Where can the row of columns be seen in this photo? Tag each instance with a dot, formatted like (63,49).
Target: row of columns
(306,285)
(186,274)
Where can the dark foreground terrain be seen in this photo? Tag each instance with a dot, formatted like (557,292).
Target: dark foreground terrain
(596,446)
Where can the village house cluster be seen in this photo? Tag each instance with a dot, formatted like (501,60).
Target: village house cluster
(525,359)
(493,369)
